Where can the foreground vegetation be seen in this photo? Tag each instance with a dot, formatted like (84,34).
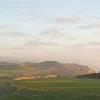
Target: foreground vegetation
(52,89)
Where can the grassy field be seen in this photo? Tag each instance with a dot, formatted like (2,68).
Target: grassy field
(55,89)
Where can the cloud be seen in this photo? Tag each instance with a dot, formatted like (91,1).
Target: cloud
(9,34)
(10,30)
(40,42)
(87,44)
(91,26)
(36,44)
(8,27)
(16,48)
(67,20)
(53,32)
(96,34)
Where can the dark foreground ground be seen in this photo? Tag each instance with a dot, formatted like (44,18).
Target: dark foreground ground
(52,89)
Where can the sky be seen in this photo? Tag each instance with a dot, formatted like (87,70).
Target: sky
(62,30)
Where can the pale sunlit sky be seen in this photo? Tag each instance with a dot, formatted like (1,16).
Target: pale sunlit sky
(62,30)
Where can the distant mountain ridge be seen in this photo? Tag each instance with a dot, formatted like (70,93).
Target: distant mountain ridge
(43,69)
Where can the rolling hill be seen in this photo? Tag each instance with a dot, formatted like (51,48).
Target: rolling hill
(42,69)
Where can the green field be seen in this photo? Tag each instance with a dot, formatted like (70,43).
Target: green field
(54,89)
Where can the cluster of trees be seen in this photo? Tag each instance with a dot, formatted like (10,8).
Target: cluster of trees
(93,75)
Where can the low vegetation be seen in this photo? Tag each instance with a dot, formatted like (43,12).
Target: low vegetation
(92,75)
(51,89)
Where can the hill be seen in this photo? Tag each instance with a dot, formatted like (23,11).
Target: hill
(42,69)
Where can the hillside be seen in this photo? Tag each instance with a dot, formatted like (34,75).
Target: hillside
(42,69)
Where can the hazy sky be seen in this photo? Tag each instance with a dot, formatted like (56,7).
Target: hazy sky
(62,30)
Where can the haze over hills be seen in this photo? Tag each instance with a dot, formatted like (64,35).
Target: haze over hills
(42,69)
